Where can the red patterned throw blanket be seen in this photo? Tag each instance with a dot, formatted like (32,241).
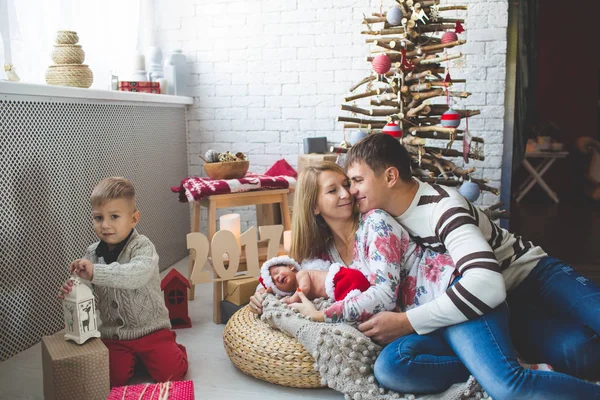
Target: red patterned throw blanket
(196,188)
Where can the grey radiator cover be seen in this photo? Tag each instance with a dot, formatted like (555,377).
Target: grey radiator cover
(52,153)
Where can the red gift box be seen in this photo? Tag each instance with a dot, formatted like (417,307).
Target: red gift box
(179,390)
(139,84)
(140,89)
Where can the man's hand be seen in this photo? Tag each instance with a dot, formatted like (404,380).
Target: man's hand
(256,300)
(386,326)
(83,268)
(307,308)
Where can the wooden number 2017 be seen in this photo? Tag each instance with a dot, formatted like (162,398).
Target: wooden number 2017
(225,242)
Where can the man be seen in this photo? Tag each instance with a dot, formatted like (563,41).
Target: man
(545,293)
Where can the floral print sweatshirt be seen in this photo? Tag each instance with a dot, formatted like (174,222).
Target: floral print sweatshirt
(402,274)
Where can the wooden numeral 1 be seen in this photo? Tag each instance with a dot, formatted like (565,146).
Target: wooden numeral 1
(248,239)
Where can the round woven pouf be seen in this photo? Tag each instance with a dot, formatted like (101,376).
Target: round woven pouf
(268,354)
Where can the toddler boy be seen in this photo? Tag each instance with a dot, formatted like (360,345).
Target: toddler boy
(123,271)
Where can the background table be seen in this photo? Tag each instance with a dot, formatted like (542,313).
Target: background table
(546,159)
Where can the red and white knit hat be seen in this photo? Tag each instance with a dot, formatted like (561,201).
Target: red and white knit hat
(342,282)
(265,277)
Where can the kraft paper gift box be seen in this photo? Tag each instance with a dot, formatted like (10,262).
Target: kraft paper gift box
(178,390)
(73,371)
(238,291)
(305,160)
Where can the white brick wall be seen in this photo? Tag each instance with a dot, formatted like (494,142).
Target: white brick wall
(268,73)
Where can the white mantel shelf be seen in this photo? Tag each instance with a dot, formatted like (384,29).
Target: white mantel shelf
(48,91)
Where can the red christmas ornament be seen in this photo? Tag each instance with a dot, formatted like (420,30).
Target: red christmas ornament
(447,79)
(393,129)
(450,119)
(448,37)
(459,28)
(381,64)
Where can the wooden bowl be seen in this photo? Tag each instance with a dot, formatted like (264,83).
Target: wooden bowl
(227,170)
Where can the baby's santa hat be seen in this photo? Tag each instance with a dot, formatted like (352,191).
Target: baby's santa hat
(265,277)
(343,282)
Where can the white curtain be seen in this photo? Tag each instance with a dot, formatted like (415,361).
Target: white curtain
(110,32)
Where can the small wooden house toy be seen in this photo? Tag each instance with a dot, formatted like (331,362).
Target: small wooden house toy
(79,310)
(175,287)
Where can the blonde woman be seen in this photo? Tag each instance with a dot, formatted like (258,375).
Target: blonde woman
(326,225)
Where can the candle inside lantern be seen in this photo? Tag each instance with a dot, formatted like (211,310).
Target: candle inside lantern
(287,240)
(231,222)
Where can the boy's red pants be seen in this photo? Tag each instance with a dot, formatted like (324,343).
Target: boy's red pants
(164,359)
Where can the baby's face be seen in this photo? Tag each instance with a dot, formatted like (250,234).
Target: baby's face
(284,277)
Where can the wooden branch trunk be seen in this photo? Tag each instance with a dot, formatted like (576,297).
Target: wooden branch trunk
(362,82)
(372,122)
(363,95)
(435,48)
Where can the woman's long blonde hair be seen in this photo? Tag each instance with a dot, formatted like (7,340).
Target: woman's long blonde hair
(311,236)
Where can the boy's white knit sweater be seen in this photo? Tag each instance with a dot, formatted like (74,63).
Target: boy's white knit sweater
(130,302)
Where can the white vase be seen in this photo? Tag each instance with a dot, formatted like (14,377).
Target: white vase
(175,71)
(155,59)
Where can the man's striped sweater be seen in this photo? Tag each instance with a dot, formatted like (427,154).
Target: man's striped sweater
(490,259)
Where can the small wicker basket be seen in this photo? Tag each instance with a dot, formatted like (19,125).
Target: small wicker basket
(66,37)
(268,354)
(74,75)
(68,54)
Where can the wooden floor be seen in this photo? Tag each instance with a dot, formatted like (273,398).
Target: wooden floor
(569,230)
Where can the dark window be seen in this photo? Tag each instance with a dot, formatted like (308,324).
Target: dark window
(175,296)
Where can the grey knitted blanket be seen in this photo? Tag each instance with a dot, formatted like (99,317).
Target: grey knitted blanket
(344,356)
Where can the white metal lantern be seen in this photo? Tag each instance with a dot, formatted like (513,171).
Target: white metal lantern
(79,308)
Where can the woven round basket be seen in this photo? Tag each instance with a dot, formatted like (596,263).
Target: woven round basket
(267,354)
(74,75)
(68,54)
(66,37)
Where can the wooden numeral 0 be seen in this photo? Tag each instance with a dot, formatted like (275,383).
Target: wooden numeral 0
(199,243)
(273,234)
(225,242)
(248,239)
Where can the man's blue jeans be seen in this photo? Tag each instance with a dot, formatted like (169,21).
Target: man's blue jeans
(431,363)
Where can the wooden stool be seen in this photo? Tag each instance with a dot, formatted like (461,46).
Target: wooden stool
(257,198)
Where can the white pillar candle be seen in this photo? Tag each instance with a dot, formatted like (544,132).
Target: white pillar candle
(231,222)
(287,240)
(139,62)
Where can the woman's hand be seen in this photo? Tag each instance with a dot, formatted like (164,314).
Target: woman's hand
(256,300)
(307,308)
(295,298)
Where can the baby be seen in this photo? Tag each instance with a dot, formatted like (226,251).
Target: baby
(286,277)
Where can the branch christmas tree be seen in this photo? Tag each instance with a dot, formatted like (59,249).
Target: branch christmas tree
(410,92)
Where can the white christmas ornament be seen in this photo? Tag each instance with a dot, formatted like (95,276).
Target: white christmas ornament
(394,16)
(470,191)
(79,310)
